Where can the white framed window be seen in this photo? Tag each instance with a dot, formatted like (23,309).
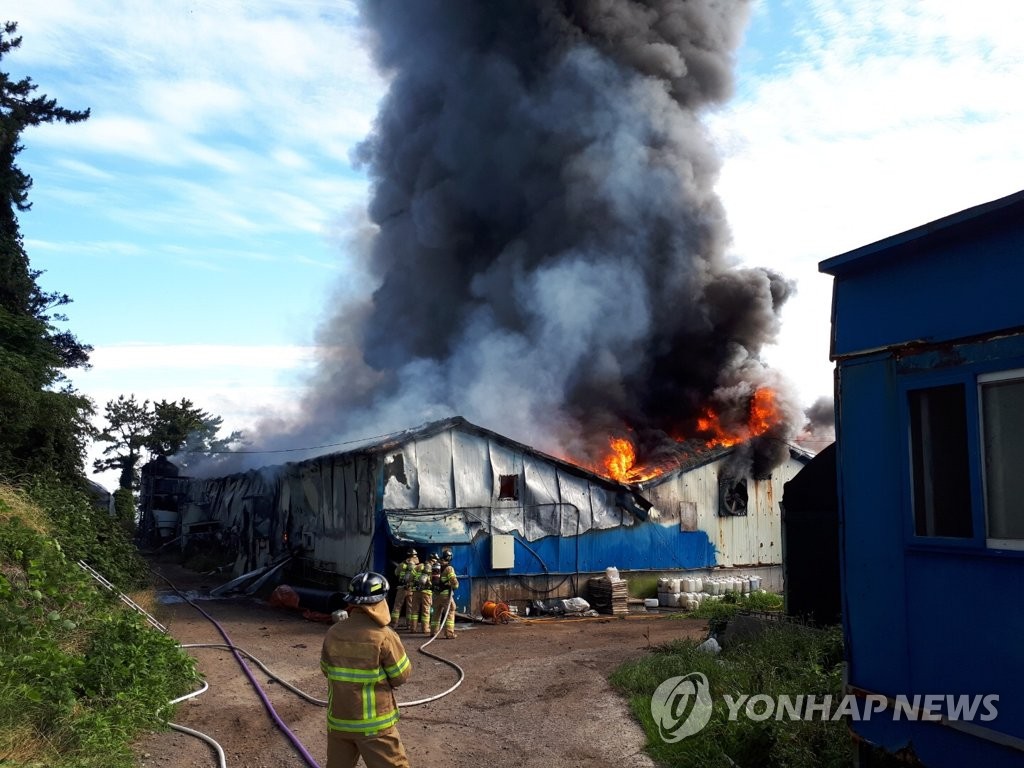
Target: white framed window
(1001,417)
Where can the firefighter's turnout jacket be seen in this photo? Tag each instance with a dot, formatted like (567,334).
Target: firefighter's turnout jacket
(449,583)
(405,574)
(363,660)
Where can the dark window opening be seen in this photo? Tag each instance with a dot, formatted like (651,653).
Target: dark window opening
(938,444)
(394,466)
(508,487)
(732,496)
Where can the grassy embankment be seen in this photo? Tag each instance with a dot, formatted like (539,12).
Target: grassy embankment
(81,675)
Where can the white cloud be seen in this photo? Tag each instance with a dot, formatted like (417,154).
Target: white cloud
(896,115)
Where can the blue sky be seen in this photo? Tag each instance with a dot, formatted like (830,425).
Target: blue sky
(204,217)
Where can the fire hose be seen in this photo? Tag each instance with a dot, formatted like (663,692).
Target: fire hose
(238,653)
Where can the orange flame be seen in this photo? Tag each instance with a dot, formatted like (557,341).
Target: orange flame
(619,463)
(621,458)
(764,414)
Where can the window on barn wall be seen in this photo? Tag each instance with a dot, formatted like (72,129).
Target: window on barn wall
(941,474)
(732,496)
(1001,398)
(394,466)
(508,487)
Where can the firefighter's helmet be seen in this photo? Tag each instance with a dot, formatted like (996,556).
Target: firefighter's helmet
(446,554)
(411,553)
(366,588)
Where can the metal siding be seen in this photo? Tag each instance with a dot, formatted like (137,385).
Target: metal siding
(434,470)
(906,296)
(398,495)
(541,481)
(472,470)
(504,461)
(606,514)
(575,491)
(872,519)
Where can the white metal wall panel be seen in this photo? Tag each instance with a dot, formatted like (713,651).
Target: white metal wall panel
(541,481)
(399,495)
(471,462)
(505,461)
(574,491)
(508,520)
(434,469)
(605,513)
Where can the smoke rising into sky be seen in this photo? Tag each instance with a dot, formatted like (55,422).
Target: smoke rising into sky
(547,254)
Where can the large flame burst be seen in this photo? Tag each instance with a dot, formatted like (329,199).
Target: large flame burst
(620,461)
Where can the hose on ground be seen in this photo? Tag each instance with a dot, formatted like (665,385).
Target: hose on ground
(299,747)
(240,652)
(423,649)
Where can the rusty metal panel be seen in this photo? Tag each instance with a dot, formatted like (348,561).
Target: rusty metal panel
(471,463)
(434,469)
(575,494)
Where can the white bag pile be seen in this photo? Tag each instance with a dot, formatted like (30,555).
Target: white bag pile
(688,592)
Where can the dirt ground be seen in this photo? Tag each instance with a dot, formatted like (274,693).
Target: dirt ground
(534,694)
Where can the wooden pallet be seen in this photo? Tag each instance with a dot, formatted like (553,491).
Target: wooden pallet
(609,596)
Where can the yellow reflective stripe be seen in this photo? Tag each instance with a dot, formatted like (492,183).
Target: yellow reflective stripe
(363,726)
(351,675)
(398,667)
(369,701)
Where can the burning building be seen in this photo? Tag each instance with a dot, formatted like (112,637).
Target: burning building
(544,255)
(521,523)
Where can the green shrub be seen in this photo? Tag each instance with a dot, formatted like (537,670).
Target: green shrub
(89,533)
(80,674)
(783,659)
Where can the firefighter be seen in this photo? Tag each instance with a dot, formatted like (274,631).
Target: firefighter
(420,582)
(446,595)
(404,595)
(364,661)
(426,591)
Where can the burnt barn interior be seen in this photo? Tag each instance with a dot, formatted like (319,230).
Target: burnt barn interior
(523,525)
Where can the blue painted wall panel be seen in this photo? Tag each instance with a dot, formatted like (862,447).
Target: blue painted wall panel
(938,293)
(926,616)
(964,613)
(871,526)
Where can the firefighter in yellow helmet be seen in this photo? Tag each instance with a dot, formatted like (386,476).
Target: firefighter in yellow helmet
(404,597)
(446,595)
(364,661)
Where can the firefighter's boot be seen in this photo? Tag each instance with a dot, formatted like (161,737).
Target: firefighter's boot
(414,626)
(449,634)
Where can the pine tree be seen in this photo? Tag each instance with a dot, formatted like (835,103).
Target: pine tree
(44,422)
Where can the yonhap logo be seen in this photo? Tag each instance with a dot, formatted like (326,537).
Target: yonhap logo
(681,706)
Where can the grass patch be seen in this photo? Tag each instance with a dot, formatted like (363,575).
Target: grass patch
(80,674)
(784,659)
(642,586)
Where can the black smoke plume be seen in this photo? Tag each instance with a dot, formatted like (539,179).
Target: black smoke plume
(546,245)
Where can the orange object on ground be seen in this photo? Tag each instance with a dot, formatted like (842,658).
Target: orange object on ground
(496,612)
